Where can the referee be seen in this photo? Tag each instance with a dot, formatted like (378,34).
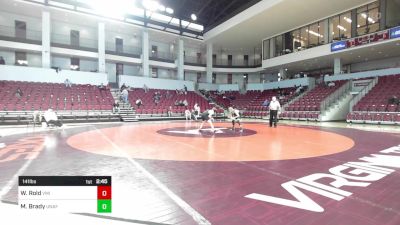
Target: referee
(274,107)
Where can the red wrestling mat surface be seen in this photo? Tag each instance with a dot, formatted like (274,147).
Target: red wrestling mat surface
(183,142)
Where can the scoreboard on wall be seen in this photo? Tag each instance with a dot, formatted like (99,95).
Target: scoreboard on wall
(83,194)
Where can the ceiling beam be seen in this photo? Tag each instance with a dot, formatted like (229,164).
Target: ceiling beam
(210,20)
(180,9)
(224,10)
(199,12)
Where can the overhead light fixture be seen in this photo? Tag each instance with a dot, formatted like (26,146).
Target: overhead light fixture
(358,25)
(371,20)
(193,16)
(341,28)
(161,8)
(315,33)
(363,15)
(74,67)
(347,19)
(22,62)
(150,5)
(169,10)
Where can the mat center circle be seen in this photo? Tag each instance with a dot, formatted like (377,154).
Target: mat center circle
(218,132)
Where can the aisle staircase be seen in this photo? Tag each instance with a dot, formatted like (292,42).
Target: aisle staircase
(336,106)
(127,113)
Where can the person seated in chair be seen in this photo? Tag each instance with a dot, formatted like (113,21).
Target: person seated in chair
(169,112)
(393,100)
(102,87)
(18,93)
(138,102)
(50,117)
(185,103)
(67,83)
(266,103)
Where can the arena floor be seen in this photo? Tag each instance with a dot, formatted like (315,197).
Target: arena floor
(169,173)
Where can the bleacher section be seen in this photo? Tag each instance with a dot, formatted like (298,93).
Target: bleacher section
(76,103)
(89,103)
(255,108)
(376,106)
(308,107)
(251,102)
(150,108)
(42,96)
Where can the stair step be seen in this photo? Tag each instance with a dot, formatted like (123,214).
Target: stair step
(130,120)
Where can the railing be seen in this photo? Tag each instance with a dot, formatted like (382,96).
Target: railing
(63,39)
(237,62)
(362,93)
(195,60)
(335,96)
(162,55)
(126,49)
(296,98)
(7,31)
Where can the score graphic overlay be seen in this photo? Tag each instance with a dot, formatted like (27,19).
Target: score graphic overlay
(83,194)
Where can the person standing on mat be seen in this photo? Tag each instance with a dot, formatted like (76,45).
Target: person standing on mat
(208,116)
(196,111)
(234,115)
(274,107)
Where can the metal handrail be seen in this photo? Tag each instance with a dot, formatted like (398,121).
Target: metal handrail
(335,96)
(237,62)
(162,55)
(66,40)
(362,93)
(283,108)
(129,49)
(30,34)
(193,59)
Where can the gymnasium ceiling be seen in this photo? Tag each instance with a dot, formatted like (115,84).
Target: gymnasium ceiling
(209,13)
(272,17)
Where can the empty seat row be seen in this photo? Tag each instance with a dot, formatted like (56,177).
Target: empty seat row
(312,100)
(365,117)
(296,115)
